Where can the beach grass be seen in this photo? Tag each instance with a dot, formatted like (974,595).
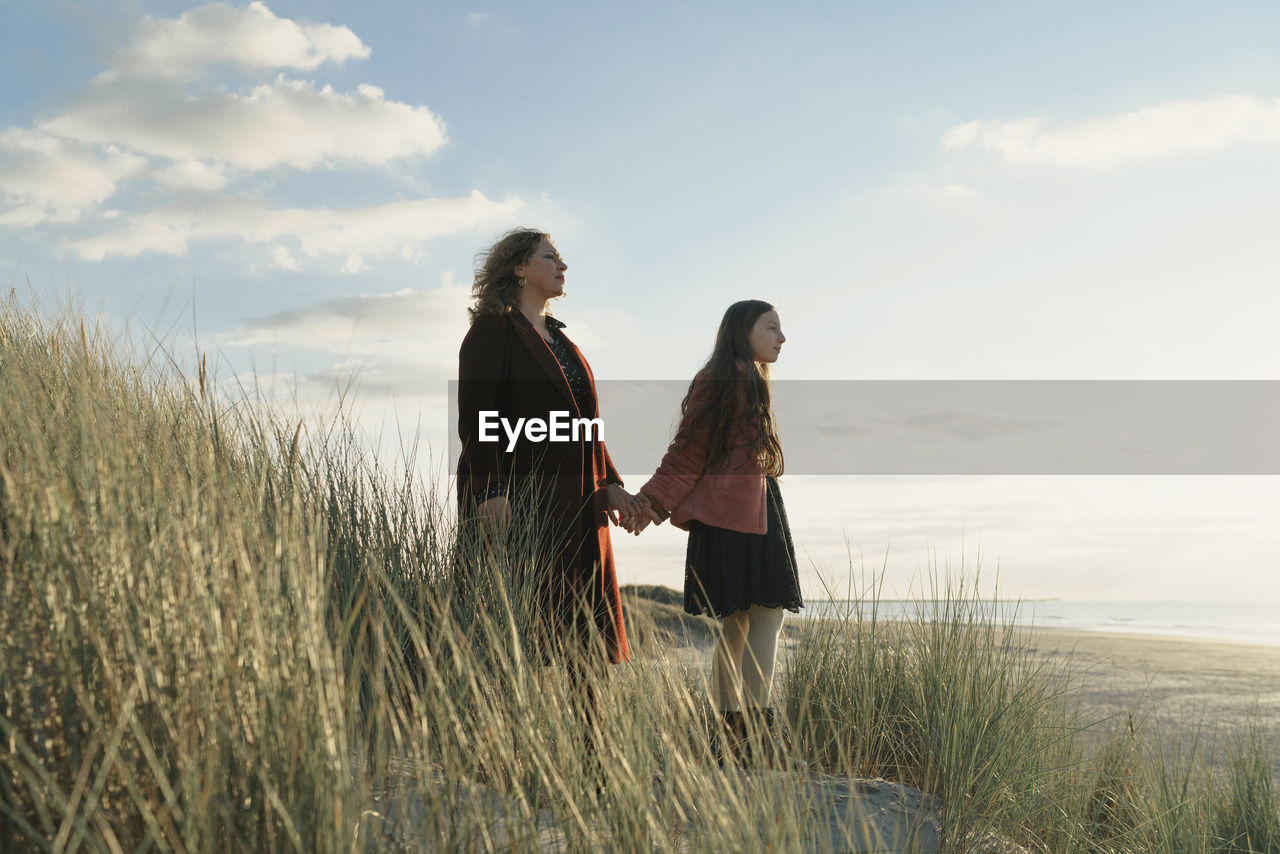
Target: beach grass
(229,630)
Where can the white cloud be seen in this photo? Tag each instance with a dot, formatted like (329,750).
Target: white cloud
(253,37)
(478,18)
(199,142)
(121,130)
(282,259)
(1167,130)
(192,175)
(372,315)
(404,378)
(409,333)
(355,264)
(284,123)
(46,179)
(394,228)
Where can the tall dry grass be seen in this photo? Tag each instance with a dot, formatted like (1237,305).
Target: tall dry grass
(226,631)
(955,701)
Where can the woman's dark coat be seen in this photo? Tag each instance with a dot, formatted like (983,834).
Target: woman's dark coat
(504,365)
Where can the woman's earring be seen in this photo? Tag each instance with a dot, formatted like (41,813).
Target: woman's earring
(521,281)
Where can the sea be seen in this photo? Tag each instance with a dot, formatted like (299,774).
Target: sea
(1235,622)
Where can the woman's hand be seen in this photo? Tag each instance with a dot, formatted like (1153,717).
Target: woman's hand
(623,510)
(645,514)
(497,510)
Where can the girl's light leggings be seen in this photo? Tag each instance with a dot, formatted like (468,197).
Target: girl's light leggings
(742,665)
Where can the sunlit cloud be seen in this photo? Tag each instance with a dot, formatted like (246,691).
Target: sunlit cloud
(191,147)
(192,175)
(405,324)
(405,379)
(401,345)
(398,228)
(293,123)
(282,259)
(1175,128)
(46,179)
(252,37)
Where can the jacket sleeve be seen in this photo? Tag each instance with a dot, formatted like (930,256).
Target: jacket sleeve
(610,472)
(482,360)
(686,457)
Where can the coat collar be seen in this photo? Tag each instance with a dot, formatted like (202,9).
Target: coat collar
(541,353)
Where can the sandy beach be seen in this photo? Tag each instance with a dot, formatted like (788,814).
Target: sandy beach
(1184,682)
(1182,685)
(1200,694)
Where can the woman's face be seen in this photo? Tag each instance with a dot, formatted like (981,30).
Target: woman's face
(766,337)
(543,273)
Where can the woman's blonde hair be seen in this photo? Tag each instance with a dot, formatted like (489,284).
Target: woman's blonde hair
(495,288)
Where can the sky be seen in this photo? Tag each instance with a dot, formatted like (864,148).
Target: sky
(940,191)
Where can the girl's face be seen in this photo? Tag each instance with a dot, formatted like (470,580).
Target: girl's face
(766,337)
(543,273)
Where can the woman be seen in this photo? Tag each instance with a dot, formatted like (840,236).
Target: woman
(516,362)
(718,481)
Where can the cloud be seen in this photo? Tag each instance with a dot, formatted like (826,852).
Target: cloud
(252,37)
(282,259)
(192,175)
(290,123)
(198,144)
(394,228)
(1176,128)
(401,378)
(477,19)
(355,265)
(403,343)
(46,179)
(364,322)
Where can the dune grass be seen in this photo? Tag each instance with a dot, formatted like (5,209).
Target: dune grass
(228,631)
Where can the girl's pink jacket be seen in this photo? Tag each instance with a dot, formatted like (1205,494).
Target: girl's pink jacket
(731,495)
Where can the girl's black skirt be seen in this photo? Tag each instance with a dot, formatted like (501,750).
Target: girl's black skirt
(727,571)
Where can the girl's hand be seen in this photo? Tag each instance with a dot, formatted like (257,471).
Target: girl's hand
(647,513)
(497,511)
(654,508)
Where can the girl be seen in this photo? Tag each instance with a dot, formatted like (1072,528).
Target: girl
(718,482)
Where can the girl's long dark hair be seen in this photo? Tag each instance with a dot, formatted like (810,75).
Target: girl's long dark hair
(739,393)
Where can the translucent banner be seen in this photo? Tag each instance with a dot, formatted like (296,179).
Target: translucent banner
(960,427)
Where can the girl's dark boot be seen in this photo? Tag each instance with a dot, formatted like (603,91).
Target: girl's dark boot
(775,745)
(729,740)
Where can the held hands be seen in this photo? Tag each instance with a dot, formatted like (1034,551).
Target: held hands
(633,513)
(648,513)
